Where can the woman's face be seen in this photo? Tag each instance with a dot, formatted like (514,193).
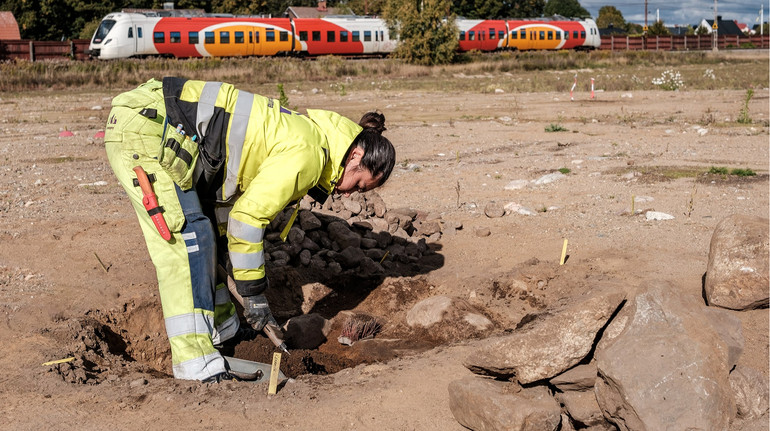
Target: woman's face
(356,178)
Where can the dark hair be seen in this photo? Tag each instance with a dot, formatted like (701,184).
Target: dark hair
(379,154)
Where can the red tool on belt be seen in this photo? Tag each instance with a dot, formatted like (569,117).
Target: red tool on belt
(150,203)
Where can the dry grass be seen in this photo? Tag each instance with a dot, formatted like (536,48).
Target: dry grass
(511,72)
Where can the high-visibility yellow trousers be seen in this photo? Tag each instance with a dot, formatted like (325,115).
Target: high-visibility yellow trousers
(198,312)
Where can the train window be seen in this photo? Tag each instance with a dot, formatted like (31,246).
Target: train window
(382,35)
(550,35)
(575,34)
(224,37)
(343,36)
(558,35)
(192,37)
(582,34)
(462,35)
(491,33)
(356,36)
(251,37)
(303,36)
(566,35)
(501,34)
(316,36)
(542,35)
(256,37)
(175,37)
(238,37)
(523,34)
(376,36)
(131,32)
(270,36)
(208,37)
(139,32)
(159,37)
(367,36)
(103,29)
(283,36)
(471,35)
(330,36)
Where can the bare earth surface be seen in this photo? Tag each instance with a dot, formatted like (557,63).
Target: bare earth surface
(76,279)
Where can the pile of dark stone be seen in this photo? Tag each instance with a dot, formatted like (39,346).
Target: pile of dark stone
(355,235)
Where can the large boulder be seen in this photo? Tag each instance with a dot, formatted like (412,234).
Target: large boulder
(737,272)
(582,407)
(663,365)
(485,404)
(579,378)
(548,345)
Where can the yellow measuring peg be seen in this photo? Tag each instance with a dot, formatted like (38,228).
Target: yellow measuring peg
(59,361)
(563,252)
(274,371)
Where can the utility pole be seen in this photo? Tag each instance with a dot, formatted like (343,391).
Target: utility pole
(715,32)
(762,19)
(645,17)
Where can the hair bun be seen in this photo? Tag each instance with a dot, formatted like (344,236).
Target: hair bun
(374,121)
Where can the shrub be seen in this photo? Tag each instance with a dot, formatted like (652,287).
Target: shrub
(743,172)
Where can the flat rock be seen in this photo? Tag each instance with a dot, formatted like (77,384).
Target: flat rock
(582,407)
(579,378)
(737,271)
(484,404)
(549,345)
(494,210)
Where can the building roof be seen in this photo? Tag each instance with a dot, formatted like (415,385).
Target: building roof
(725,27)
(311,12)
(9,28)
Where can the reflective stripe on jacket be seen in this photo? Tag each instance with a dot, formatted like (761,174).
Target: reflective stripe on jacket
(266,155)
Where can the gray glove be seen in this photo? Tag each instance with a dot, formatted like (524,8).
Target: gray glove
(257,312)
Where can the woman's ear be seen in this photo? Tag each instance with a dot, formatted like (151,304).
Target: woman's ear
(356,154)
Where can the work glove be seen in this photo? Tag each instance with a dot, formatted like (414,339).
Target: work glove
(257,312)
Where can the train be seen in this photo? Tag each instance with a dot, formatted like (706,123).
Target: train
(128,34)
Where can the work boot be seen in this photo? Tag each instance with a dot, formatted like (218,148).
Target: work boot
(231,375)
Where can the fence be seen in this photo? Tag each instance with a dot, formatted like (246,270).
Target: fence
(43,50)
(681,43)
(76,49)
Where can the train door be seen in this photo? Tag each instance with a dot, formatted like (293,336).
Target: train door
(137,30)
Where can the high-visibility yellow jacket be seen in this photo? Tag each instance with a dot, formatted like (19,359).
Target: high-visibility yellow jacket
(267,156)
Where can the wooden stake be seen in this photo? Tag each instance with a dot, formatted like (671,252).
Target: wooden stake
(563,252)
(276,368)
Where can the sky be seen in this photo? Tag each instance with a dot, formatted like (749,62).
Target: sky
(682,11)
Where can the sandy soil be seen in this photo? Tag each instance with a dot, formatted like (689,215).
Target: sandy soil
(76,280)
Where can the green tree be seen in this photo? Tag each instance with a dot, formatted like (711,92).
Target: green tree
(633,28)
(363,7)
(658,29)
(567,8)
(702,30)
(610,16)
(426,31)
(489,9)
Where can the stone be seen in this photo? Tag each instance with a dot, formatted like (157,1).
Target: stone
(750,391)
(378,224)
(306,331)
(549,178)
(429,227)
(368,267)
(494,210)
(737,270)
(657,215)
(582,407)
(483,232)
(368,243)
(516,185)
(340,233)
(661,365)
(352,206)
(296,235)
(350,257)
(483,404)
(309,244)
(478,321)
(429,311)
(304,257)
(578,378)
(308,221)
(377,202)
(549,345)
